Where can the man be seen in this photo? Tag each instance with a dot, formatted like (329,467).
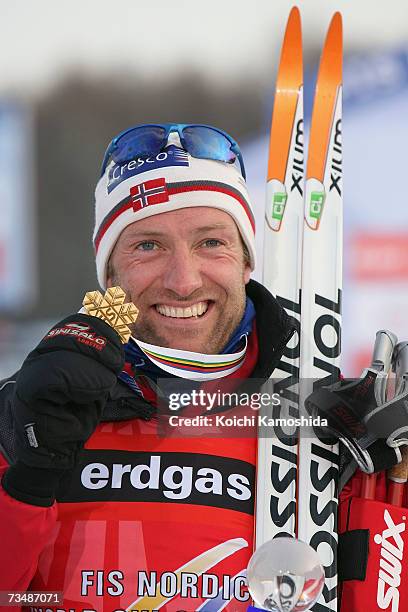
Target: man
(96,502)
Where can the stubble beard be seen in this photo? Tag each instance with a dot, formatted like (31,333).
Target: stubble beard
(211,344)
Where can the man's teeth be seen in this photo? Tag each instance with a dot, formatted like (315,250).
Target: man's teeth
(182,313)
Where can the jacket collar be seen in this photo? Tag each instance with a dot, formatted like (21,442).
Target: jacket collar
(274,328)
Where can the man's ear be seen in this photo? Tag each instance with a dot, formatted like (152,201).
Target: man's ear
(110,274)
(247,273)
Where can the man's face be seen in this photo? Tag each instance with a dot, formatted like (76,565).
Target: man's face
(185,271)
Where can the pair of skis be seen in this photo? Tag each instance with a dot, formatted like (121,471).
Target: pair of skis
(298,469)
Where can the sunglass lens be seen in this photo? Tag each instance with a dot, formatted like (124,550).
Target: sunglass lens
(207,143)
(142,141)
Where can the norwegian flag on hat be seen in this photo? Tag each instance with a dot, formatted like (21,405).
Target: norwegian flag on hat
(149,192)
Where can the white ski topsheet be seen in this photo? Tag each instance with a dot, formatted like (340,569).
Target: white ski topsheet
(277,455)
(320,356)
(276,505)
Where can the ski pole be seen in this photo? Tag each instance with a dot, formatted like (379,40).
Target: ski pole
(398,474)
(381,362)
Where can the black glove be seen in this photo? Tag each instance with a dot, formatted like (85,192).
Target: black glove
(364,426)
(59,396)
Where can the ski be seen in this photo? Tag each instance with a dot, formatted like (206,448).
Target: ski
(277,457)
(297,471)
(321,310)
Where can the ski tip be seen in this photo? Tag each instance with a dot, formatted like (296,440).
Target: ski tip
(287,95)
(294,14)
(332,55)
(290,71)
(329,79)
(331,63)
(337,19)
(293,31)
(336,28)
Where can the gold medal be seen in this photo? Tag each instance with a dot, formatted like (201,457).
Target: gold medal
(112,309)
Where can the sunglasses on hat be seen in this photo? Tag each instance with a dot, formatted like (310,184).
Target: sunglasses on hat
(202,141)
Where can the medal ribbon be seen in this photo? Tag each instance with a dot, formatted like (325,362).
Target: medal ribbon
(194,366)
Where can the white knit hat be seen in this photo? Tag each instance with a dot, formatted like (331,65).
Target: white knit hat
(172,180)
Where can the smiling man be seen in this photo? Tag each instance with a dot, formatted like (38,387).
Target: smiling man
(94,501)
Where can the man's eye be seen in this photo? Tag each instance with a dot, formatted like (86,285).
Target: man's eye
(212,242)
(146,245)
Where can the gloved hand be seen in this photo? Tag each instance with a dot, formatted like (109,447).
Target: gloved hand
(360,413)
(59,396)
(355,416)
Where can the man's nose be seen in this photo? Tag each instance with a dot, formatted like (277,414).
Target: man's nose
(182,274)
